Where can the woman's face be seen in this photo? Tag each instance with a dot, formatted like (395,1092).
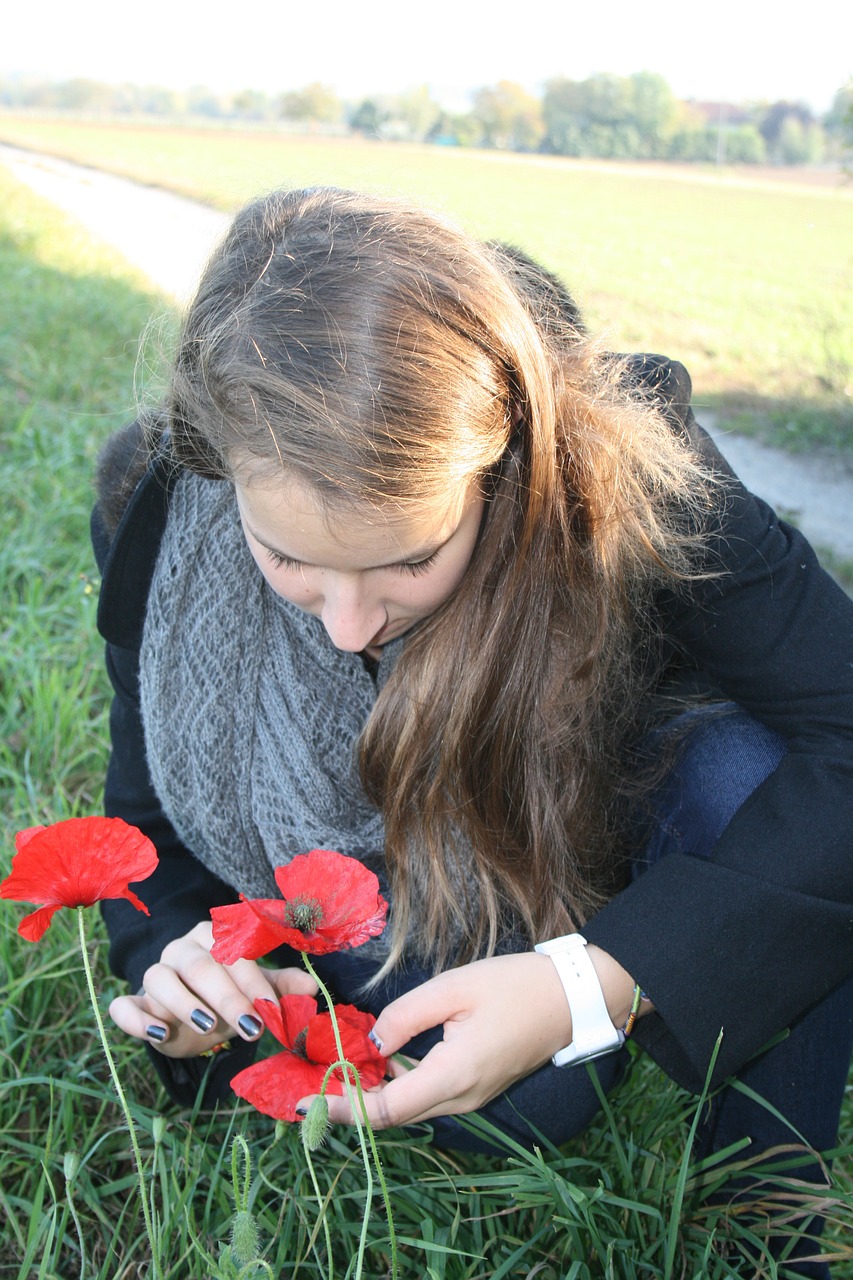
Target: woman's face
(369,577)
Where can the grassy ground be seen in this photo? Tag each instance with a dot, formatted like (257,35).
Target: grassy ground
(615,1203)
(746,280)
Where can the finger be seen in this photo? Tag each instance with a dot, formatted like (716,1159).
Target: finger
(146,1019)
(208,997)
(291,982)
(428,1005)
(133,1015)
(419,1094)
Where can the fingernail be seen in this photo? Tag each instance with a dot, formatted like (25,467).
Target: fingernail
(156,1033)
(371,1035)
(249,1025)
(301,1111)
(202,1020)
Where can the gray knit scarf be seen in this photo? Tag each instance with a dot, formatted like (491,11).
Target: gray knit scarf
(251,715)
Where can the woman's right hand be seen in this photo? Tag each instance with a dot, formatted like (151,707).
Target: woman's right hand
(189,1002)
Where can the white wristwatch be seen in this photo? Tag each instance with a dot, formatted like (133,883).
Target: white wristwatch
(593,1033)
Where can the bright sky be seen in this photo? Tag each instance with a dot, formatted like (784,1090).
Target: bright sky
(719,49)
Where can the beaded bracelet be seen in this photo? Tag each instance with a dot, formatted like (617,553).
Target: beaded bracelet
(222,1047)
(639,997)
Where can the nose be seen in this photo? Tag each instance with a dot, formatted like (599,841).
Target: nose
(349,615)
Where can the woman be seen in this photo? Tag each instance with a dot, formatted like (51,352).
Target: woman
(418,573)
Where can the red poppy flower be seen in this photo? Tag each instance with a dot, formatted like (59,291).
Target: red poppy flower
(276,1084)
(75,864)
(330,903)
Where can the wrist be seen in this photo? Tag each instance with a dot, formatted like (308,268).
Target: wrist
(594,1033)
(617,985)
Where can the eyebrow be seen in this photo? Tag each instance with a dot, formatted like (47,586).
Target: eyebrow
(424,553)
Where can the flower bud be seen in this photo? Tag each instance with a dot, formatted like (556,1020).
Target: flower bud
(70,1165)
(315,1126)
(244,1238)
(158,1129)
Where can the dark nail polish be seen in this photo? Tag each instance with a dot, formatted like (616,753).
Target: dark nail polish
(202,1020)
(371,1035)
(301,1111)
(249,1025)
(156,1033)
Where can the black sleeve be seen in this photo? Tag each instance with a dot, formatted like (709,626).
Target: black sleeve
(750,939)
(181,891)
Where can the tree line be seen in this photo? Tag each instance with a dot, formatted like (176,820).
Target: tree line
(605,115)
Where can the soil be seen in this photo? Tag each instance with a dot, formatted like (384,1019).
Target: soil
(168,238)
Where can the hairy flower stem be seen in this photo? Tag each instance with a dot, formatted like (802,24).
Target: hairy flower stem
(362,1125)
(131,1127)
(323,1217)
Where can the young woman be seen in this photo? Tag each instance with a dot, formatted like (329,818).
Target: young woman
(409,568)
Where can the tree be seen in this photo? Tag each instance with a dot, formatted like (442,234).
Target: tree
(368,118)
(508,116)
(653,111)
(839,122)
(561,112)
(316,101)
(251,104)
(609,115)
(418,111)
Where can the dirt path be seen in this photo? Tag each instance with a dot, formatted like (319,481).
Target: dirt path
(168,238)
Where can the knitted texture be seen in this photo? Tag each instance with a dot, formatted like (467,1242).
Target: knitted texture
(251,715)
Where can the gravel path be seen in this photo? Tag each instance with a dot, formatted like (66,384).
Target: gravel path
(168,238)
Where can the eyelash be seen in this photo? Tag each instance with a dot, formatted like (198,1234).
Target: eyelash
(414,567)
(280,561)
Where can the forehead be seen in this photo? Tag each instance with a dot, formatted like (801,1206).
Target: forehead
(292,518)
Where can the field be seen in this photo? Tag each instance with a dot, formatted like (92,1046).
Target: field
(745,278)
(623,1202)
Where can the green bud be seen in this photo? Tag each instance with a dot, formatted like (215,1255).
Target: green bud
(244,1238)
(315,1126)
(158,1129)
(70,1165)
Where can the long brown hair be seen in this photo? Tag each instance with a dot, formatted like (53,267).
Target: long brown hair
(384,356)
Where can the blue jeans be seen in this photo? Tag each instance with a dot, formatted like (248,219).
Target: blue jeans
(722,756)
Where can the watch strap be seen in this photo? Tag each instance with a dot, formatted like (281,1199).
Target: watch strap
(593,1032)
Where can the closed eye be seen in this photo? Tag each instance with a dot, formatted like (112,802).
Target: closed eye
(414,567)
(280,561)
(418,566)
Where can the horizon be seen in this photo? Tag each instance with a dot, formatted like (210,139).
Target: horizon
(733,53)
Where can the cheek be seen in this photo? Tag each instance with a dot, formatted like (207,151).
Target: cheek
(431,591)
(287,583)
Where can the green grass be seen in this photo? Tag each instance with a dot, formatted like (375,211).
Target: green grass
(618,1202)
(749,282)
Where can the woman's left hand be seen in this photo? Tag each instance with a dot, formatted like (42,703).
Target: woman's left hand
(502,1018)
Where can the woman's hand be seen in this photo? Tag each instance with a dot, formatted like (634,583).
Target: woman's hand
(502,1018)
(189,1002)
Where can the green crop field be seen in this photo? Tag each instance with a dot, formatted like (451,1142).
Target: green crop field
(746,278)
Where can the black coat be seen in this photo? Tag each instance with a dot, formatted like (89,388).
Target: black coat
(746,941)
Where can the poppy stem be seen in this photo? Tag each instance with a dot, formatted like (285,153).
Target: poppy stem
(362,1123)
(131,1127)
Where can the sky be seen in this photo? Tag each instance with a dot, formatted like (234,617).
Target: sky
(719,50)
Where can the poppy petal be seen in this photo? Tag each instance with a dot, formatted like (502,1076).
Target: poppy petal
(354,1025)
(34,926)
(241,932)
(353,910)
(275,1085)
(79,862)
(288,1017)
